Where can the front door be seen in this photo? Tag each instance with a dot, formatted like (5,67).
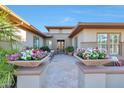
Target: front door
(61,45)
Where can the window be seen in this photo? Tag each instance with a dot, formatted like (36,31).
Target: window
(76,43)
(114,43)
(49,43)
(110,42)
(102,41)
(36,42)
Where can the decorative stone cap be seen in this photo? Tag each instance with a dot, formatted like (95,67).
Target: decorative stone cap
(31,70)
(100,69)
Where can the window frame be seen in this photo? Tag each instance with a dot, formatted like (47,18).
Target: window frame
(108,41)
(35,44)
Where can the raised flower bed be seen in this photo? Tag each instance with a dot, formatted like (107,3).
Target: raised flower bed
(28,57)
(93,57)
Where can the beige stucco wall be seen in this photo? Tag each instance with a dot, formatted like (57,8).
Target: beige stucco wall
(80,38)
(60,36)
(26,40)
(60,31)
(29,40)
(92,33)
(47,40)
(88,37)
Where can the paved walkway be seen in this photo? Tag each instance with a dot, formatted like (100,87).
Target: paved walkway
(62,72)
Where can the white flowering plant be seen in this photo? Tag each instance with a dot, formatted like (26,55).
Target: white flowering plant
(28,54)
(92,53)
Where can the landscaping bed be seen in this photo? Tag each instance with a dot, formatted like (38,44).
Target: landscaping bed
(33,63)
(11,59)
(94,57)
(29,57)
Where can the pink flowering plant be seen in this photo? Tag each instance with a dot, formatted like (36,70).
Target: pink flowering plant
(92,53)
(28,54)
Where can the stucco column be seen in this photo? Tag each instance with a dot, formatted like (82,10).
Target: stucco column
(31,77)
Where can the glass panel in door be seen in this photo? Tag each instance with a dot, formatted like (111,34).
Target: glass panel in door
(60,45)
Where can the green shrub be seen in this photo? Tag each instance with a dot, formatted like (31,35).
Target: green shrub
(80,54)
(70,49)
(45,48)
(6,70)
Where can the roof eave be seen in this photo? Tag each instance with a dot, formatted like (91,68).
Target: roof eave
(81,26)
(59,27)
(19,20)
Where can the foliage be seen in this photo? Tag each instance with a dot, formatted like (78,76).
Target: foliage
(45,48)
(91,53)
(6,70)
(70,49)
(1,48)
(8,31)
(27,54)
(80,54)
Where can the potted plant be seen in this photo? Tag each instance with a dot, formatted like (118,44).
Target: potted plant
(70,50)
(45,48)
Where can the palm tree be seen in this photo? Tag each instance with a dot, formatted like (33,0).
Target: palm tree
(9,34)
(8,31)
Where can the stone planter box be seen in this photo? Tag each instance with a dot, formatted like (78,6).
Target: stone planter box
(94,62)
(32,63)
(32,77)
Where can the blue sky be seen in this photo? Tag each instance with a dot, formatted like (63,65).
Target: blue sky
(42,15)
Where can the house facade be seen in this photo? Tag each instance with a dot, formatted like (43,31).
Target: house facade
(109,36)
(59,37)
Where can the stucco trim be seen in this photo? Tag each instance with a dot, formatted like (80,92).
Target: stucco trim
(81,26)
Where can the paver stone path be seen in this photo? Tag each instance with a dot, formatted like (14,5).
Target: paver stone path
(62,72)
